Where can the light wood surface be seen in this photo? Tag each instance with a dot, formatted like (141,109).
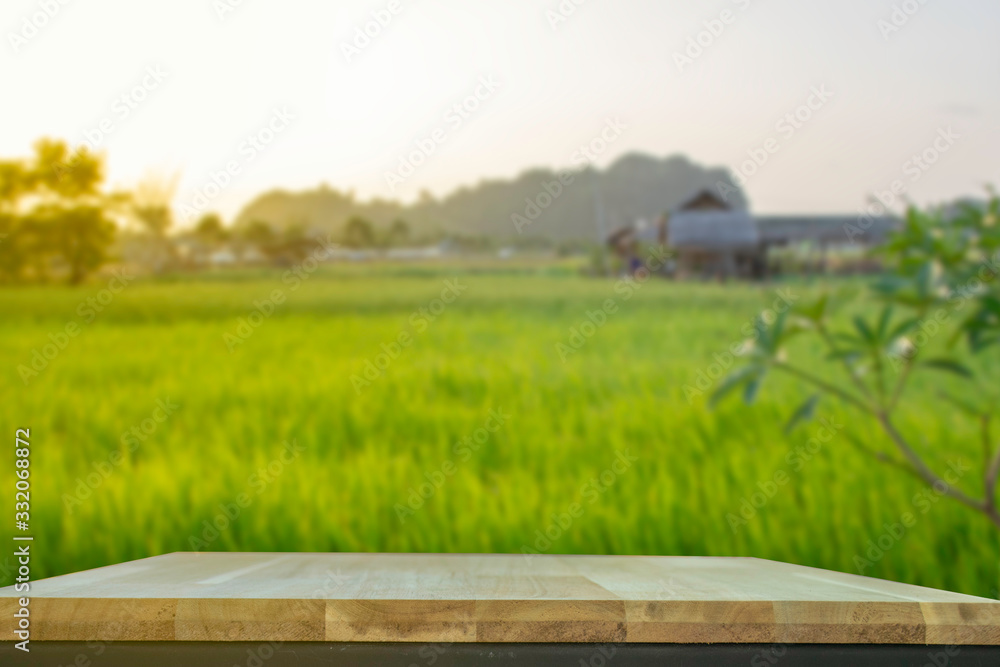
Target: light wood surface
(491,598)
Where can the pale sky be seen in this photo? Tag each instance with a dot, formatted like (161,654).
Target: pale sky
(224,77)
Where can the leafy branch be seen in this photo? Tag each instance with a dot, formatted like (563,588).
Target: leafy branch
(940,268)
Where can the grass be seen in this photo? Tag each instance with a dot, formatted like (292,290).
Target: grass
(364,453)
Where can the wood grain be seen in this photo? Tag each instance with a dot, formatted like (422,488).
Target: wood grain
(492,598)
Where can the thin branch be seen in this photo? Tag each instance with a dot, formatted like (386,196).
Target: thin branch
(984,429)
(898,391)
(832,344)
(921,468)
(825,386)
(907,369)
(882,457)
(992,475)
(880,378)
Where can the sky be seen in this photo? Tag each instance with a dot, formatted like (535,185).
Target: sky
(237,97)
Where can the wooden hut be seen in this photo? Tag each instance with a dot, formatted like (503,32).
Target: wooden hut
(712,239)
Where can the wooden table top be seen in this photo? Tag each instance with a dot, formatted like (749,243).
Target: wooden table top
(491,598)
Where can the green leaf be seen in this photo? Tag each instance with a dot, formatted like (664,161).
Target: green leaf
(732,381)
(925,279)
(902,328)
(948,366)
(806,411)
(752,389)
(815,311)
(866,333)
(963,405)
(849,356)
(883,323)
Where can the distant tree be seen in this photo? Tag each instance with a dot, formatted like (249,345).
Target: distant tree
(13,256)
(259,233)
(399,233)
(295,242)
(81,235)
(52,211)
(16,180)
(59,174)
(359,233)
(150,210)
(156,219)
(210,230)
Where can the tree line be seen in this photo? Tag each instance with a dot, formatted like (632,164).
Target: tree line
(58,221)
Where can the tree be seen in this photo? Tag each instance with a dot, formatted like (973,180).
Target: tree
(81,236)
(52,211)
(16,180)
(210,230)
(259,233)
(295,242)
(75,176)
(151,203)
(359,233)
(13,255)
(945,280)
(399,233)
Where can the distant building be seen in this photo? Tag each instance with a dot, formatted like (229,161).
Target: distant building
(711,239)
(415,253)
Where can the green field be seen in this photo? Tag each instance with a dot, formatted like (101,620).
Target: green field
(362,451)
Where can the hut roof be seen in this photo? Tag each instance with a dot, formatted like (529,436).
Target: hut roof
(712,229)
(703,199)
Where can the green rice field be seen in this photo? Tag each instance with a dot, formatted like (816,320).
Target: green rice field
(451,408)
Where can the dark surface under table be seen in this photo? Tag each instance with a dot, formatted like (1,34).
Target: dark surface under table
(260,654)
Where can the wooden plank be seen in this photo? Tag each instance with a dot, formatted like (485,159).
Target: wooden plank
(492,599)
